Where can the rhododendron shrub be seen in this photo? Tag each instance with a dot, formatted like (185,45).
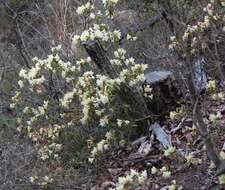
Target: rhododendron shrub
(55,94)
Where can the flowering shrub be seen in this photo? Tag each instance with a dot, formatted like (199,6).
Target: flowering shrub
(53,90)
(203,37)
(41,109)
(196,37)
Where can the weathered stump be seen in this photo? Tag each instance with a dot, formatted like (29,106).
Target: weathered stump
(165,92)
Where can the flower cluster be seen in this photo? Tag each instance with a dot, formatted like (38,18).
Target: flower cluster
(222,179)
(107,2)
(206,23)
(174,186)
(101,147)
(44,141)
(43,138)
(174,44)
(131,181)
(215,118)
(212,89)
(110,7)
(95,93)
(32,76)
(211,86)
(16,99)
(97,32)
(85,10)
(33,178)
(133,75)
(220,97)
(46,180)
(35,77)
(131,37)
(68,97)
(177,115)
(170,151)
(191,160)
(162,171)
(147,92)
(123,123)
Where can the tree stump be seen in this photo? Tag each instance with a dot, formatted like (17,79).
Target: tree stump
(165,92)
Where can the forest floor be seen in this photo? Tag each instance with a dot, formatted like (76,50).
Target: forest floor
(200,176)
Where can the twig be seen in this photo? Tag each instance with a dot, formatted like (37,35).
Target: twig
(174,130)
(144,118)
